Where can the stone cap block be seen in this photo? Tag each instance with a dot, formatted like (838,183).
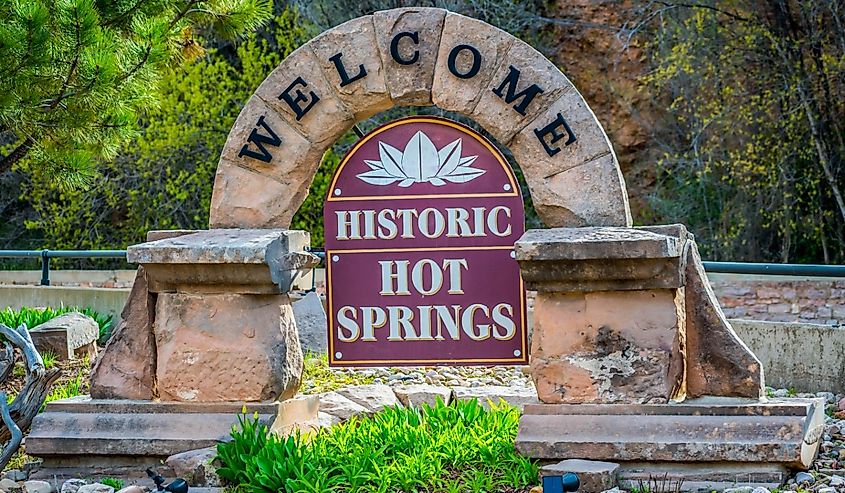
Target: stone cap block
(602,258)
(227,260)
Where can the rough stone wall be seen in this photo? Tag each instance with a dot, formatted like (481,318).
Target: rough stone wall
(779,299)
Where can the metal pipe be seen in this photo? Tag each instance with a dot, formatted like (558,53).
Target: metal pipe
(809,270)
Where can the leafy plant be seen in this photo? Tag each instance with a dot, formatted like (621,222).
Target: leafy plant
(66,390)
(318,377)
(459,447)
(115,483)
(49,358)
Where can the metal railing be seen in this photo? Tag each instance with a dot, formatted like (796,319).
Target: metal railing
(751,268)
(46,255)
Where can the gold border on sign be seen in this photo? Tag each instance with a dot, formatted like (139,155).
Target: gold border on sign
(333,361)
(514,192)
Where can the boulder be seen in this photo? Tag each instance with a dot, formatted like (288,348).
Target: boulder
(311,323)
(69,336)
(38,487)
(334,404)
(95,488)
(72,485)
(196,467)
(373,397)
(416,395)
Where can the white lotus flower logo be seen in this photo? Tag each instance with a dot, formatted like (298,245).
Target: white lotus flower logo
(420,162)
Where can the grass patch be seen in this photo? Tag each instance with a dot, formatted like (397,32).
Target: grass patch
(66,390)
(456,448)
(33,317)
(115,483)
(317,377)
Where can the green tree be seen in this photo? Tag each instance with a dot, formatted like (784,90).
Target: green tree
(76,75)
(755,142)
(163,178)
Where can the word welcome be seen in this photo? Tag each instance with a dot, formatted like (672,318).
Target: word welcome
(302,99)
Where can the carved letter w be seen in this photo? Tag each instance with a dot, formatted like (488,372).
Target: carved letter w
(260,140)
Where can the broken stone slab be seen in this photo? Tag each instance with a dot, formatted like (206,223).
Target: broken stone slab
(125,369)
(69,336)
(601,259)
(311,323)
(417,395)
(486,395)
(226,347)
(373,397)
(786,432)
(719,362)
(718,476)
(595,476)
(258,261)
(297,413)
(334,404)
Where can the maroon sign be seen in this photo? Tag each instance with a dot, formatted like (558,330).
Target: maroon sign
(420,223)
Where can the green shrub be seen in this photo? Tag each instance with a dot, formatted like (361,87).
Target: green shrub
(115,483)
(33,317)
(66,390)
(459,447)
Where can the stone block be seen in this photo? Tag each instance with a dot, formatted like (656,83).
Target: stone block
(518,397)
(595,476)
(784,432)
(94,438)
(592,194)
(226,347)
(311,323)
(419,394)
(372,397)
(162,234)
(600,259)
(298,91)
(363,91)
(415,33)
(719,363)
(608,347)
(195,467)
(522,68)
(125,369)
(244,198)
(227,260)
(69,336)
(461,94)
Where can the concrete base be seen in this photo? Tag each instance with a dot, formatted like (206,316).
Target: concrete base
(81,436)
(752,442)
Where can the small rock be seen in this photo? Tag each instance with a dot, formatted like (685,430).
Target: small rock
(780,393)
(134,489)
(38,487)
(10,486)
(804,477)
(827,489)
(760,489)
(615,489)
(15,475)
(95,488)
(416,395)
(841,404)
(536,489)
(73,485)
(837,481)
(741,489)
(372,397)
(828,396)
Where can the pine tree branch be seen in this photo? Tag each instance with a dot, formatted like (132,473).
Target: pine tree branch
(16,155)
(703,6)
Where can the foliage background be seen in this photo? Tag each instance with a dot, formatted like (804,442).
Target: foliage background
(724,100)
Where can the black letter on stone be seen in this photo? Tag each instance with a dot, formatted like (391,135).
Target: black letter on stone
(551,129)
(528,94)
(476,61)
(394,48)
(341,70)
(259,141)
(293,102)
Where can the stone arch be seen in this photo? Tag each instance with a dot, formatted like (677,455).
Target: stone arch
(417,57)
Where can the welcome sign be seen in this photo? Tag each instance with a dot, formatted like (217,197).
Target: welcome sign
(420,223)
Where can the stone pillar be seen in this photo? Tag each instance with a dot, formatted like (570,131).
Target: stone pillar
(635,362)
(223,322)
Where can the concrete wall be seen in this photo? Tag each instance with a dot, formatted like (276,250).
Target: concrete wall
(103,300)
(806,357)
